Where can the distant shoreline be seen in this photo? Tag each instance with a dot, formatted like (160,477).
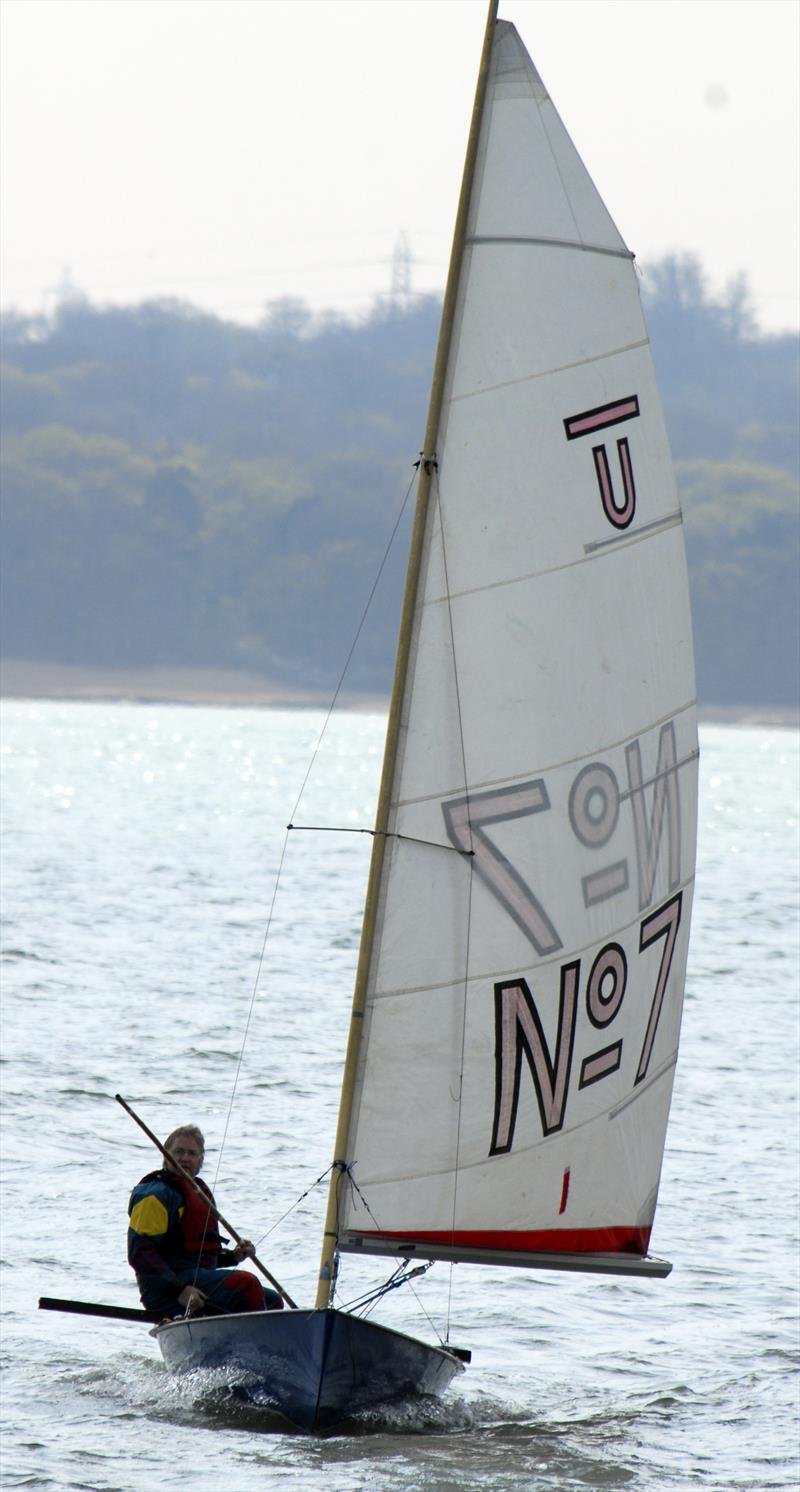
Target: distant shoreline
(179,686)
(230,687)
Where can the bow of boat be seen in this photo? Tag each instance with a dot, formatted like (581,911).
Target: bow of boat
(317,1368)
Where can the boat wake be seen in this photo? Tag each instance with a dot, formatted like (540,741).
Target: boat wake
(222,1399)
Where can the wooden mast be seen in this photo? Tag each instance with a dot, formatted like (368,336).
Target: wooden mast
(325,1284)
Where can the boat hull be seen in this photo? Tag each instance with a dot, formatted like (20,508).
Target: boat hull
(318,1368)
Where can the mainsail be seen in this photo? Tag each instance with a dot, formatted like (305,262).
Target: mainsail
(526,945)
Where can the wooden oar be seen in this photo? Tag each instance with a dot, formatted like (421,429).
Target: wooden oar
(217,1214)
(94,1308)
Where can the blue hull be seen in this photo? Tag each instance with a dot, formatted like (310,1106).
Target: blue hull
(318,1368)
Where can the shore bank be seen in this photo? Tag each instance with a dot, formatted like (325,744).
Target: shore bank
(186,686)
(210,686)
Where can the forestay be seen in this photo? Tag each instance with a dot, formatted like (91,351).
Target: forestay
(526,977)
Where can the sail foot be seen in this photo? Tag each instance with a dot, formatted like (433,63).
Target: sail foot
(600,1262)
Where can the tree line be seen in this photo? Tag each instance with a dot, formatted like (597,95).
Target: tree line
(182,491)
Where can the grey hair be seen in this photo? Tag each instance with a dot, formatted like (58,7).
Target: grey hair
(186,1129)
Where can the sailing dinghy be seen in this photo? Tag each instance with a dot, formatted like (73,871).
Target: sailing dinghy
(518,997)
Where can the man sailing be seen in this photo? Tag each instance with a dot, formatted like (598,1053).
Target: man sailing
(174,1244)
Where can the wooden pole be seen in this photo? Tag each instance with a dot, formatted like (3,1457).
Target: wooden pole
(211,1207)
(427,465)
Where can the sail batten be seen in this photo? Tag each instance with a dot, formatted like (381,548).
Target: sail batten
(529,377)
(551,243)
(432,1172)
(522,1005)
(591,551)
(513,970)
(672,520)
(690,760)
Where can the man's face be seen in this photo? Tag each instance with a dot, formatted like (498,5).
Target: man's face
(188,1153)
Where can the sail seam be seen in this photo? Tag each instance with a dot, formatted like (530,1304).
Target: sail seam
(549,243)
(641,536)
(643,1087)
(397,1178)
(581,362)
(590,553)
(496,975)
(569,761)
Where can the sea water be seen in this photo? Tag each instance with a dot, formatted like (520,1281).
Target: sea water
(140,851)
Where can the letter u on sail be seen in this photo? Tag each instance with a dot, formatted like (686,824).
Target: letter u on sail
(520,996)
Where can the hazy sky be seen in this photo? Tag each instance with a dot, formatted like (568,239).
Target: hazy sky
(235,151)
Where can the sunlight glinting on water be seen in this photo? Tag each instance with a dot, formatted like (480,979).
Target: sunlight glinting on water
(140,847)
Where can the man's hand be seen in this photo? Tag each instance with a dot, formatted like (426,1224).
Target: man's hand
(191,1299)
(243,1250)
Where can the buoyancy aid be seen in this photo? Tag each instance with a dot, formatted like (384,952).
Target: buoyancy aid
(197,1225)
(171,1227)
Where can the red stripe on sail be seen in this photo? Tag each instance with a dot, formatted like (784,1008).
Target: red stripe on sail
(549,1241)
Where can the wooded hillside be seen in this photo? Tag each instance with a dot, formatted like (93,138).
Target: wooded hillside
(181,491)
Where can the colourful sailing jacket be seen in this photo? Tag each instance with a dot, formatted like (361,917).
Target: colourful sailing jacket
(171,1229)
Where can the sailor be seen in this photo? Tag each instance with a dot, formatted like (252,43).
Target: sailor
(174,1244)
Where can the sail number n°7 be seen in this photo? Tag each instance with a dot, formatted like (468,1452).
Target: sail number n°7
(593,803)
(519,1032)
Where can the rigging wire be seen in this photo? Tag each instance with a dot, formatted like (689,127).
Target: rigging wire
(279,872)
(401,1275)
(347,1175)
(359,630)
(364,1303)
(423,1269)
(295,1204)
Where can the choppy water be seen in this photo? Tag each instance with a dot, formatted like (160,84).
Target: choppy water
(140,846)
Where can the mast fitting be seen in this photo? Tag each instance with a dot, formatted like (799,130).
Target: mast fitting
(429,464)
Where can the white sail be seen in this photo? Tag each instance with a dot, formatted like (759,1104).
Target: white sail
(526,976)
